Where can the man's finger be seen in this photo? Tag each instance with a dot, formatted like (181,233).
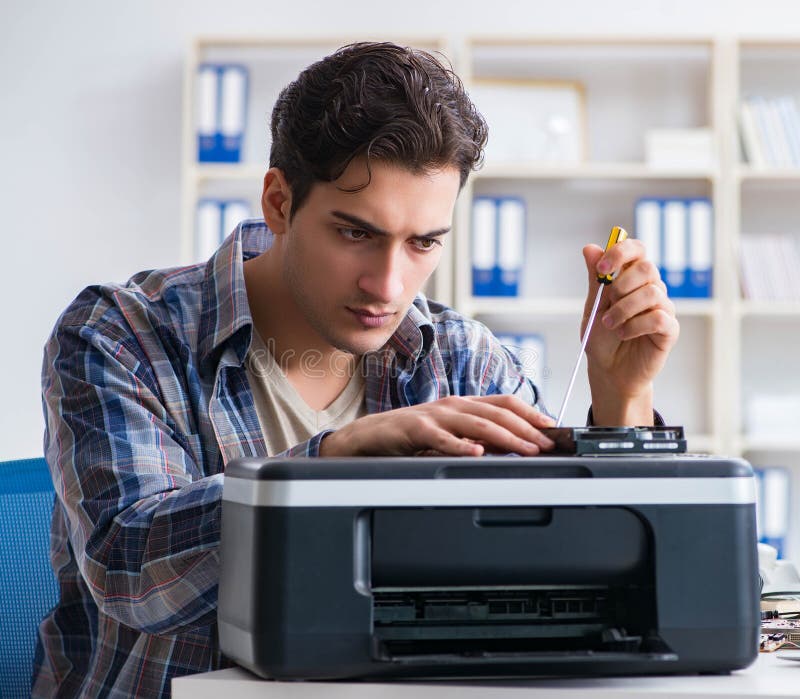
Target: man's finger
(645,298)
(482,429)
(529,412)
(513,422)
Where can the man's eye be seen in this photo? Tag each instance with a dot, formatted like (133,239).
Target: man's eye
(426,243)
(353,233)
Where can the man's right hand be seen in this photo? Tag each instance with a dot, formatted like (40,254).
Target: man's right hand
(453,426)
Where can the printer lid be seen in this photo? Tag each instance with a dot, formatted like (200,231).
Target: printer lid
(488,481)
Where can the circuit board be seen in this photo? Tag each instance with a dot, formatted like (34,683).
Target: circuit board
(779,633)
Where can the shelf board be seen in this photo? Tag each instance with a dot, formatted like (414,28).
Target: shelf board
(769,44)
(501,40)
(775,174)
(590,170)
(305,40)
(231,172)
(696,307)
(518,171)
(505,305)
(779,443)
(790,310)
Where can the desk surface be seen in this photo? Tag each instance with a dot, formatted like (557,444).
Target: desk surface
(769,676)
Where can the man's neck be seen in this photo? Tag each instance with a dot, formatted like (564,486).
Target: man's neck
(318,371)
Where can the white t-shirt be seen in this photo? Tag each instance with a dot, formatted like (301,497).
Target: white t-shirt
(285,418)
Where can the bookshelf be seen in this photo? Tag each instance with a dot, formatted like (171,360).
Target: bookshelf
(764,201)
(730,347)
(573,204)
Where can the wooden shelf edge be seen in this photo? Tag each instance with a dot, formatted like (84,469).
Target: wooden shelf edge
(591,170)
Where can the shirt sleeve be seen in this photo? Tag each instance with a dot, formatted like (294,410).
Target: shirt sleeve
(142,519)
(309,448)
(505,372)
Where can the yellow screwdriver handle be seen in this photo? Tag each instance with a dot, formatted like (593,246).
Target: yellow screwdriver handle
(618,234)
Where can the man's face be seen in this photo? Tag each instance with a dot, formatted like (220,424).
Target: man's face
(354,261)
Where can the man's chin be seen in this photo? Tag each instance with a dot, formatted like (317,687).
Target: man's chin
(364,345)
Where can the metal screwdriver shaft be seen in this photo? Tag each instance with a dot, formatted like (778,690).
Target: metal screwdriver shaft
(618,234)
(580,355)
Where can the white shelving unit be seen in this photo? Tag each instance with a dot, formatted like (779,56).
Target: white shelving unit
(630,85)
(765,200)
(729,347)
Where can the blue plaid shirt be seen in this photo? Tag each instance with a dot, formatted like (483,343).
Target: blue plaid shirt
(146,399)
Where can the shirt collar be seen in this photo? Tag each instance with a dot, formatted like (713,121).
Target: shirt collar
(414,336)
(225,315)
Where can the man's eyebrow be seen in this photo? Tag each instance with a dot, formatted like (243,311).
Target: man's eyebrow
(371,228)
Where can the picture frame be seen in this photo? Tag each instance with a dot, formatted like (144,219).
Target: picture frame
(532,121)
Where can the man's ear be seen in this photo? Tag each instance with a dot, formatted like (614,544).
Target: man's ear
(276,201)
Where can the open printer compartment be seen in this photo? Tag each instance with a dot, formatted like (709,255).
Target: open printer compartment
(494,582)
(339,570)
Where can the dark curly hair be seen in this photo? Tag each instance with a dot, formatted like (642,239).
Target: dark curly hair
(389,103)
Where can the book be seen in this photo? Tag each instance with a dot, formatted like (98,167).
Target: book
(750,135)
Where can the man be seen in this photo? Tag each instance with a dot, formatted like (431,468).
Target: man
(304,336)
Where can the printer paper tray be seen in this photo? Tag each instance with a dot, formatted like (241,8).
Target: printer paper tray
(548,659)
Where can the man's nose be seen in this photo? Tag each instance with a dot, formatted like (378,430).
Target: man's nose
(384,280)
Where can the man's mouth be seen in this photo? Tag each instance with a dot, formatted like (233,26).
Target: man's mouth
(371,319)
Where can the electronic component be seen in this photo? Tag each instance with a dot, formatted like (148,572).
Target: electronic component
(769,642)
(617,440)
(779,633)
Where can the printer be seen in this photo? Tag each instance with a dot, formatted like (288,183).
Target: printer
(488,567)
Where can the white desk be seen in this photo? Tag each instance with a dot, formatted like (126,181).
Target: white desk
(769,676)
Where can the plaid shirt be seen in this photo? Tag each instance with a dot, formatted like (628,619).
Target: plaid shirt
(146,399)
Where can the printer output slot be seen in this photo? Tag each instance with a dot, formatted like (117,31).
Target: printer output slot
(469,622)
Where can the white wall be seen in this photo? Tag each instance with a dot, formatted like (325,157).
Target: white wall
(90,100)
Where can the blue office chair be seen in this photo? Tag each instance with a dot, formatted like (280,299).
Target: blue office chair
(28,588)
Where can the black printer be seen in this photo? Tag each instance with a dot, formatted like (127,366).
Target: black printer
(488,567)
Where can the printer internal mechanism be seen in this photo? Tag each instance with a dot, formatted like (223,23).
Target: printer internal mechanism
(471,591)
(425,623)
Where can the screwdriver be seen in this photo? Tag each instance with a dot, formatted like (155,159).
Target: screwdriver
(618,234)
